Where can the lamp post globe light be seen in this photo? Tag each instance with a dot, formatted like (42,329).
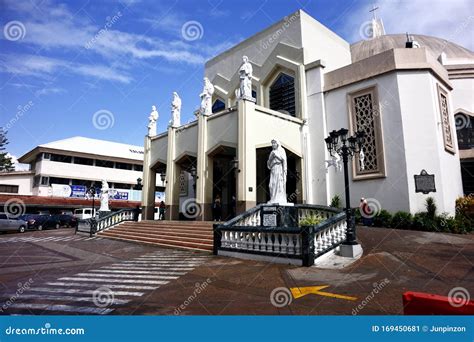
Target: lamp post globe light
(338,142)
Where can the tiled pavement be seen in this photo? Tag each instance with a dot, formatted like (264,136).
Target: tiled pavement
(78,275)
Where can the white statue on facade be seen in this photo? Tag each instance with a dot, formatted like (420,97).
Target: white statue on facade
(152,119)
(206,98)
(245,74)
(104,196)
(361,160)
(278,170)
(176,110)
(334,161)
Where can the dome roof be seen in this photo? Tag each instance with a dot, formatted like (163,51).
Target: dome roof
(367,48)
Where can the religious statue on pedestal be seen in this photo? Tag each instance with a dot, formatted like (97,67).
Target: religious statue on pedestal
(245,74)
(206,98)
(278,170)
(104,196)
(152,119)
(176,110)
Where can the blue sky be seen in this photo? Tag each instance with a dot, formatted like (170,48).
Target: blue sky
(63,61)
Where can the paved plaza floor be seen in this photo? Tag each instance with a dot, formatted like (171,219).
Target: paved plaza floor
(57,272)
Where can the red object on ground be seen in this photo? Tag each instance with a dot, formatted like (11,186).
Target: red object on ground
(419,303)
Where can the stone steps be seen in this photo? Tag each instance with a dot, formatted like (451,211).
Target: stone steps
(188,235)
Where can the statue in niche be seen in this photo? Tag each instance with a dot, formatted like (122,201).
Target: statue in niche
(176,110)
(245,74)
(206,98)
(278,170)
(152,119)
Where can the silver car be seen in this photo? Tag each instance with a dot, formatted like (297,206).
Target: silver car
(9,222)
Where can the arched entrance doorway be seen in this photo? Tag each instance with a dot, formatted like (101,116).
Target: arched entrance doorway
(223,180)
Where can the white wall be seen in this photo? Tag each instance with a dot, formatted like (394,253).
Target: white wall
(424,141)
(462,94)
(77,171)
(391,191)
(24,182)
(319,42)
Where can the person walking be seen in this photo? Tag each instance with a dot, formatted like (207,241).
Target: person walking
(217,208)
(162,209)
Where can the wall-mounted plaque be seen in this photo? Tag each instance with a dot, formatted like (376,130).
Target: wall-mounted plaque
(269,216)
(270,220)
(425,183)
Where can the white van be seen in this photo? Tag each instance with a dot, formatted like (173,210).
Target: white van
(84,213)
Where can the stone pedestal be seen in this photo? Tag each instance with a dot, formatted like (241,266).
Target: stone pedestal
(350,251)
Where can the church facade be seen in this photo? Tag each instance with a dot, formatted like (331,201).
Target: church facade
(306,81)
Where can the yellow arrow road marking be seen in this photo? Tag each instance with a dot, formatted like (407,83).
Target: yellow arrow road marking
(298,292)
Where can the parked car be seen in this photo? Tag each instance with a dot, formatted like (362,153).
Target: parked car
(66,220)
(9,222)
(84,213)
(40,222)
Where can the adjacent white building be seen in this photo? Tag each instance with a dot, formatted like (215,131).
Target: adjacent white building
(66,168)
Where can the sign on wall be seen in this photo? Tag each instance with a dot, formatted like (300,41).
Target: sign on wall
(425,183)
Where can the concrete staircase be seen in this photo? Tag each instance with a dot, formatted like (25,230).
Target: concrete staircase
(190,235)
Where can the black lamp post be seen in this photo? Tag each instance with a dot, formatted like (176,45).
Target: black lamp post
(139,185)
(346,147)
(163,178)
(91,192)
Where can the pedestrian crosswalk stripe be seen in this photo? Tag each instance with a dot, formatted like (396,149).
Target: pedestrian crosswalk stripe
(122,267)
(130,281)
(65,308)
(110,286)
(137,272)
(133,276)
(67,298)
(81,291)
(151,268)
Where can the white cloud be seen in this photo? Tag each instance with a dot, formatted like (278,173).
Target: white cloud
(47,68)
(49,91)
(452,20)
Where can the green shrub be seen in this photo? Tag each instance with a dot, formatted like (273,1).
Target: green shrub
(335,202)
(402,220)
(311,220)
(431,208)
(464,214)
(383,219)
(357,216)
(422,221)
(446,223)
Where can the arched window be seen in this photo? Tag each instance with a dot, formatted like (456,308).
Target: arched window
(282,94)
(218,106)
(465,131)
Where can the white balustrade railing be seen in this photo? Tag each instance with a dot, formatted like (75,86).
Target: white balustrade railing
(268,242)
(330,236)
(251,220)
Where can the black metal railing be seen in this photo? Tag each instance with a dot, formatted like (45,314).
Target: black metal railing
(281,232)
(95,225)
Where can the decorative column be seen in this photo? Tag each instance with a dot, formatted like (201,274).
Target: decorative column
(247,179)
(172,186)
(149,183)
(306,169)
(202,182)
(318,180)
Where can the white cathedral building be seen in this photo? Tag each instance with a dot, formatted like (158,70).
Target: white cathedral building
(306,81)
